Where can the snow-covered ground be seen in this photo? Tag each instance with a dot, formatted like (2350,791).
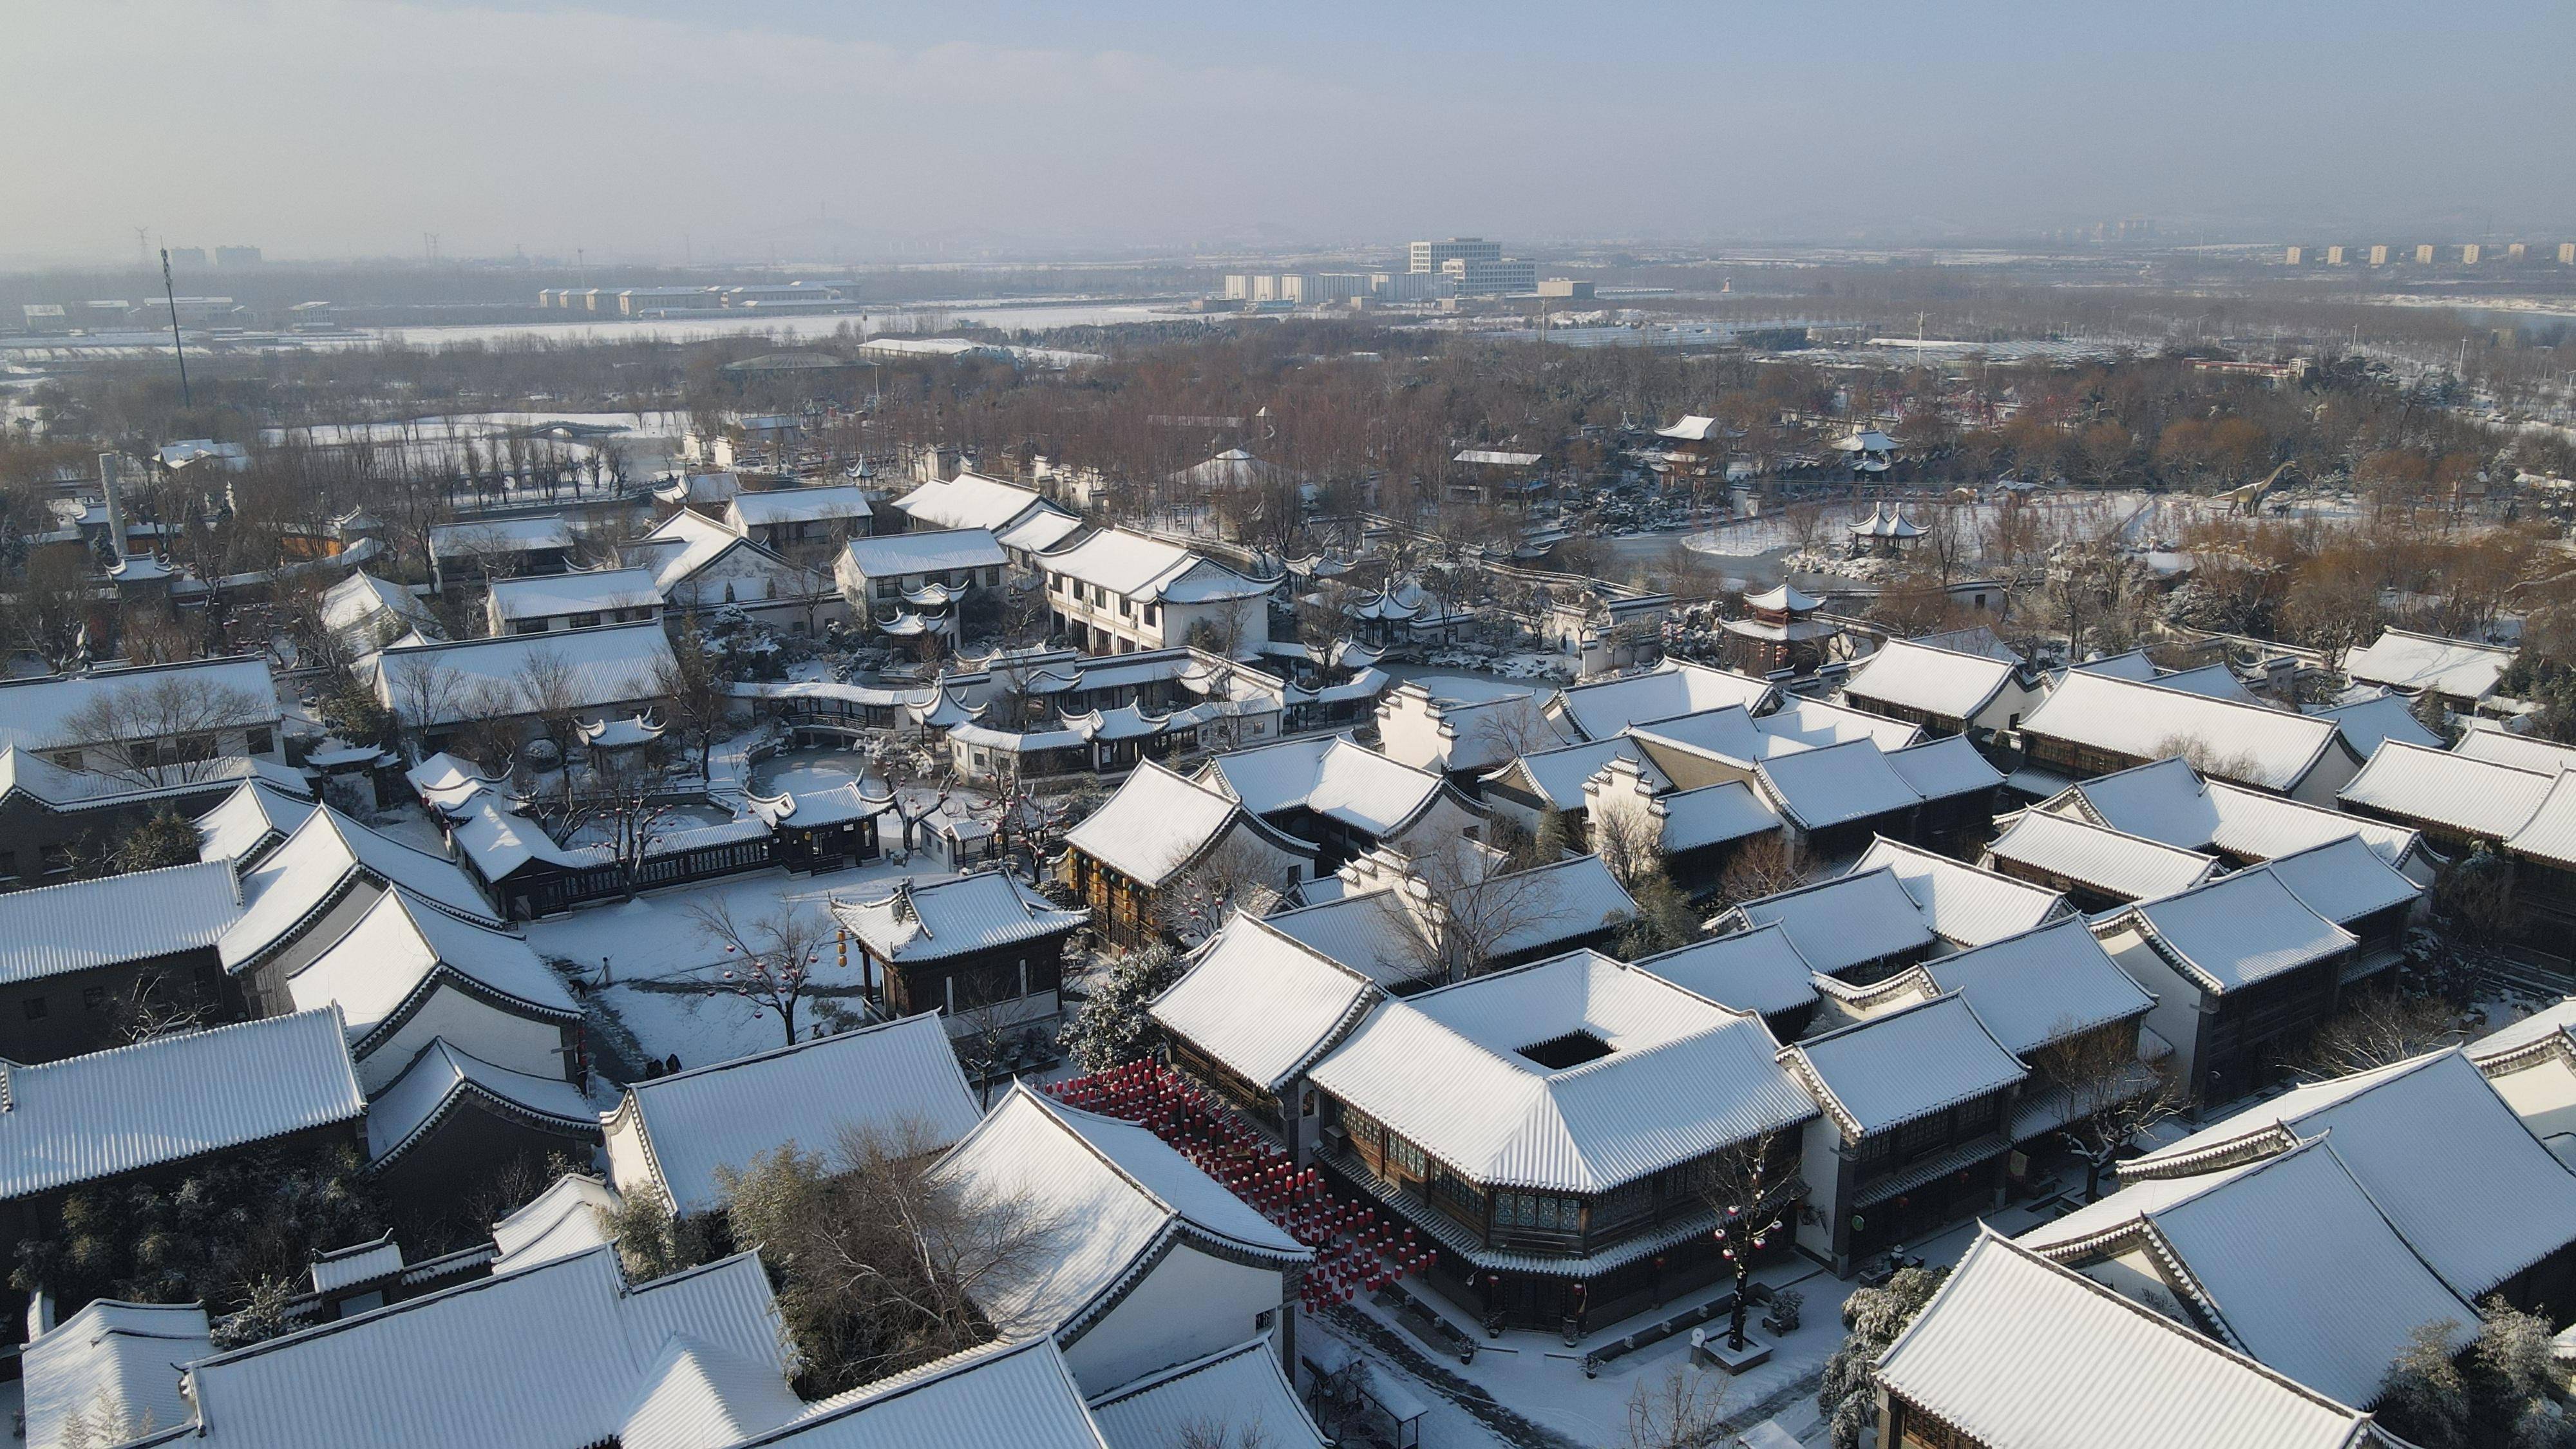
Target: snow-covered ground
(1538,1377)
(653,944)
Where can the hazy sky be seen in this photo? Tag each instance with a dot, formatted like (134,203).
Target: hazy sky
(794,127)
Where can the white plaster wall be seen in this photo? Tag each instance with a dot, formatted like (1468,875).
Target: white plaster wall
(1189,1306)
(473,1027)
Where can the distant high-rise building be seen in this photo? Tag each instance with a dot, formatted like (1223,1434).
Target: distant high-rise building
(2295,256)
(2334,256)
(2379,256)
(2567,254)
(2424,254)
(1434,256)
(2514,252)
(236,256)
(1238,286)
(2469,255)
(187,256)
(1488,276)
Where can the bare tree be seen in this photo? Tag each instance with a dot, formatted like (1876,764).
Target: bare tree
(1629,838)
(1805,525)
(426,692)
(878,1261)
(694,688)
(549,691)
(2374,1029)
(1468,907)
(773,955)
(1682,1410)
(915,773)
(2110,1096)
(2212,759)
(1763,866)
(1210,1434)
(48,613)
(1751,1194)
(165,731)
(618,802)
(1194,904)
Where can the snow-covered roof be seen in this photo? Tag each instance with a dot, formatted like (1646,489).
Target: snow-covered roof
(444,683)
(1499,458)
(971,500)
(1139,567)
(547,596)
(570,1216)
(2473,796)
(1241,1388)
(1846,922)
(1673,1076)
(1262,1003)
(1784,598)
(2210,681)
(2403,659)
(442,1076)
(971,914)
(2550,833)
(686,542)
(1041,530)
(85,924)
(2389,717)
(2235,931)
(1554,904)
(500,841)
(499,535)
(1835,785)
(1557,775)
(1158,823)
(1370,932)
(47,712)
(1015,1393)
(2503,747)
(1941,682)
(2424,1136)
(1330,776)
(1599,711)
(697,1394)
(1816,724)
(894,555)
(1886,522)
(2018,1353)
(111,1360)
(1712,815)
(899,1079)
(1693,428)
(34,776)
(2168,801)
(352,607)
(2343,880)
(1889,1070)
(750,510)
(2272,748)
(1944,768)
(315,865)
(562,1353)
(170,1099)
(1758,971)
(254,816)
(2134,666)
(804,810)
(1100,1197)
(384,967)
(2041,986)
(2131,867)
(1963,904)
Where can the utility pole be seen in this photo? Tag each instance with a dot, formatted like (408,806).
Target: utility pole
(170,292)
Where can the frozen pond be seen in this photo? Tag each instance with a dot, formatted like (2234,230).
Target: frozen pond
(802,770)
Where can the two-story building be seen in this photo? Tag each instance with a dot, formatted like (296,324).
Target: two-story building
(579,599)
(1536,1125)
(907,585)
(1117,592)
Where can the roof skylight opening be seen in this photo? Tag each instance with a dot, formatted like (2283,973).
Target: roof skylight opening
(1570,1050)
